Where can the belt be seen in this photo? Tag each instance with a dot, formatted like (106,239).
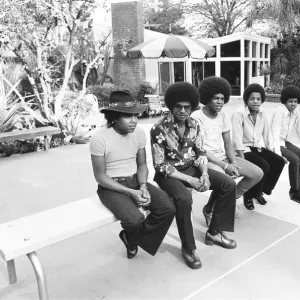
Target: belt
(122,178)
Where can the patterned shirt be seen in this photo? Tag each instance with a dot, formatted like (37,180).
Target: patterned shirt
(170,151)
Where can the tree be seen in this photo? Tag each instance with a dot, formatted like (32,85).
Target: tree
(32,29)
(218,17)
(164,16)
(285,12)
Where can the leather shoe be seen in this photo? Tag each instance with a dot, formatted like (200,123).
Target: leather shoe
(248,202)
(260,199)
(219,239)
(131,253)
(295,196)
(191,259)
(207,216)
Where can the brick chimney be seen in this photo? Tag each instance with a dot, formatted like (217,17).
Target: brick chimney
(128,29)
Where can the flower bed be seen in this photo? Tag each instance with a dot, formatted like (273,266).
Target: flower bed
(272,97)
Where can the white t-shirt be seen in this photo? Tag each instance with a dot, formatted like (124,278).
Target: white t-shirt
(213,129)
(120,151)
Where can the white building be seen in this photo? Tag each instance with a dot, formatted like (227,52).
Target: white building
(238,58)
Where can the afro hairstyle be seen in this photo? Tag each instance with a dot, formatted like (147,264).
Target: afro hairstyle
(182,91)
(254,88)
(290,91)
(213,85)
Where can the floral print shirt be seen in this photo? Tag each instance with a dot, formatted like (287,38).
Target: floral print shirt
(170,151)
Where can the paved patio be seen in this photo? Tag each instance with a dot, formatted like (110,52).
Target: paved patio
(265,265)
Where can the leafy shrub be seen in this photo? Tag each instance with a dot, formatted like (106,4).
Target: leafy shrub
(137,90)
(102,92)
(273,88)
(19,147)
(76,109)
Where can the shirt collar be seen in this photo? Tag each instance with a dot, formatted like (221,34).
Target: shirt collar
(169,120)
(287,112)
(260,110)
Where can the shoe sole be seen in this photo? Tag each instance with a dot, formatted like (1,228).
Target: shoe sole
(190,264)
(295,200)
(210,242)
(260,202)
(250,208)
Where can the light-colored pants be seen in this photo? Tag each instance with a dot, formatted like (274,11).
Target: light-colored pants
(251,174)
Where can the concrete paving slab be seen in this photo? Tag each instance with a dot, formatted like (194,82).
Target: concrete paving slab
(94,265)
(273,274)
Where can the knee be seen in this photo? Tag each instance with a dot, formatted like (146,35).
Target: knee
(171,209)
(183,202)
(265,167)
(168,207)
(258,174)
(281,161)
(229,183)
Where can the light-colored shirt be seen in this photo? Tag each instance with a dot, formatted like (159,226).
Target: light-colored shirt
(282,122)
(213,130)
(247,133)
(172,152)
(120,151)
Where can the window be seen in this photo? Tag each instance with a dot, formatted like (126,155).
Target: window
(266,51)
(261,50)
(254,49)
(232,49)
(168,73)
(254,69)
(247,48)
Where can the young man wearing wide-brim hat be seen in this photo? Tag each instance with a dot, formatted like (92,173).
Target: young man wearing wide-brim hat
(119,163)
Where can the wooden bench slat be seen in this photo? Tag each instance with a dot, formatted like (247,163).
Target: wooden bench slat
(28,133)
(40,230)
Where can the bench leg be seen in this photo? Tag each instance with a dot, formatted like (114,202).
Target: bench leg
(46,143)
(40,276)
(11,269)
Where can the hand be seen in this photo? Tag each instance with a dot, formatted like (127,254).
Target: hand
(145,194)
(232,170)
(196,183)
(137,196)
(206,184)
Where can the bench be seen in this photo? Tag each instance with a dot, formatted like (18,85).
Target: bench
(26,235)
(29,134)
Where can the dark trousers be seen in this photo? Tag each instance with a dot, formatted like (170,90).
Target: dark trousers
(224,210)
(292,154)
(272,165)
(147,233)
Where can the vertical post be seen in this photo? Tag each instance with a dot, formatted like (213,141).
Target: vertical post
(40,276)
(46,143)
(218,61)
(188,70)
(242,67)
(11,269)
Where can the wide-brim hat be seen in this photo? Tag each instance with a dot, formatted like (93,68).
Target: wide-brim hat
(122,101)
